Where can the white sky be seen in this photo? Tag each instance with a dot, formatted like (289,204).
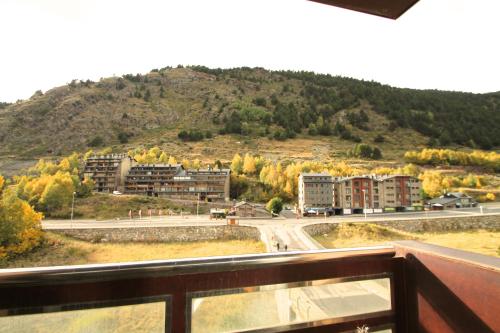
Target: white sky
(442,44)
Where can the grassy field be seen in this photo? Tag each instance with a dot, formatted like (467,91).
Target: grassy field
(353,235)
(61,250)
(102,206)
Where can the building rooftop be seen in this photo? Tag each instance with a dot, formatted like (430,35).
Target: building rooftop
(158,165)
(312,174)
(242,203)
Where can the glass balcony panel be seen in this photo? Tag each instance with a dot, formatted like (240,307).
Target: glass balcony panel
(146,317)
(273,306)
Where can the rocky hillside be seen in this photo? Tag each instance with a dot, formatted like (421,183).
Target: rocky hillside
(250,105)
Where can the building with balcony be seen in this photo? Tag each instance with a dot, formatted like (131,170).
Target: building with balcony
(399,192)
(356,193)
(394,192)
(151,179)
(315,191)
(107,171)
(208,184)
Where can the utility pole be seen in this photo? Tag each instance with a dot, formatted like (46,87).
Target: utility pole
(72,209)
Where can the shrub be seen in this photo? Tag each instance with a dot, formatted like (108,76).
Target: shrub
(96,142)
(192,135)
(366,151)
(260,101)
(123,137)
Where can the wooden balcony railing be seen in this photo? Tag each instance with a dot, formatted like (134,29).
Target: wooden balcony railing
(408,287)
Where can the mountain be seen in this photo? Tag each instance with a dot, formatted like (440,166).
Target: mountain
(252,105)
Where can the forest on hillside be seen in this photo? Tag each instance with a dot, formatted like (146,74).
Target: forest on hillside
(196,103)
(445,117)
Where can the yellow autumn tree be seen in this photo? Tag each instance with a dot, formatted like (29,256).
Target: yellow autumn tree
(490,196)
(163,158)
(196,164)
(186,164)
(432,183)
(58,192)
(249,167)
(172,160)
(237,164)
(20,229)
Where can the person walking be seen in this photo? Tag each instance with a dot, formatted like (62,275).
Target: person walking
(286,247)
(278,246)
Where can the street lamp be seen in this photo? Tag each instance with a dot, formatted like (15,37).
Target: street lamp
(409,191)
(364,201)
(198,206)
(72,209)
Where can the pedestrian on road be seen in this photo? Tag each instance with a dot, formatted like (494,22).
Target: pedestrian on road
(286,247)
(278,246)
(130,214)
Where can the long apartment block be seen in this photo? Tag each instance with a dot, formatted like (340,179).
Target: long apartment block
(348,194)
(121,173)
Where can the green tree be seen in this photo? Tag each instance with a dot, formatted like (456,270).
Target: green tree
(363,150)
(275,205)
(376,154)
(147,95)
(84,189)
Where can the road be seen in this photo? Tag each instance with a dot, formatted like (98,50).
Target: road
(281,233)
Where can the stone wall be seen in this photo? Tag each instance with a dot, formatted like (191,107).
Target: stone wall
(319,228)
(164,234)
(488,222)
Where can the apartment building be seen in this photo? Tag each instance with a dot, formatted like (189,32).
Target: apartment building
(315,191)
(400,191)
(356,193)
(206,184)
(107,171)
(151,179)
(393,192)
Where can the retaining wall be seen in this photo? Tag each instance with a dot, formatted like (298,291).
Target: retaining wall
(487,222)
(163,234)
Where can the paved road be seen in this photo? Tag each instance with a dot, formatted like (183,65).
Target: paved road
(282,221)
